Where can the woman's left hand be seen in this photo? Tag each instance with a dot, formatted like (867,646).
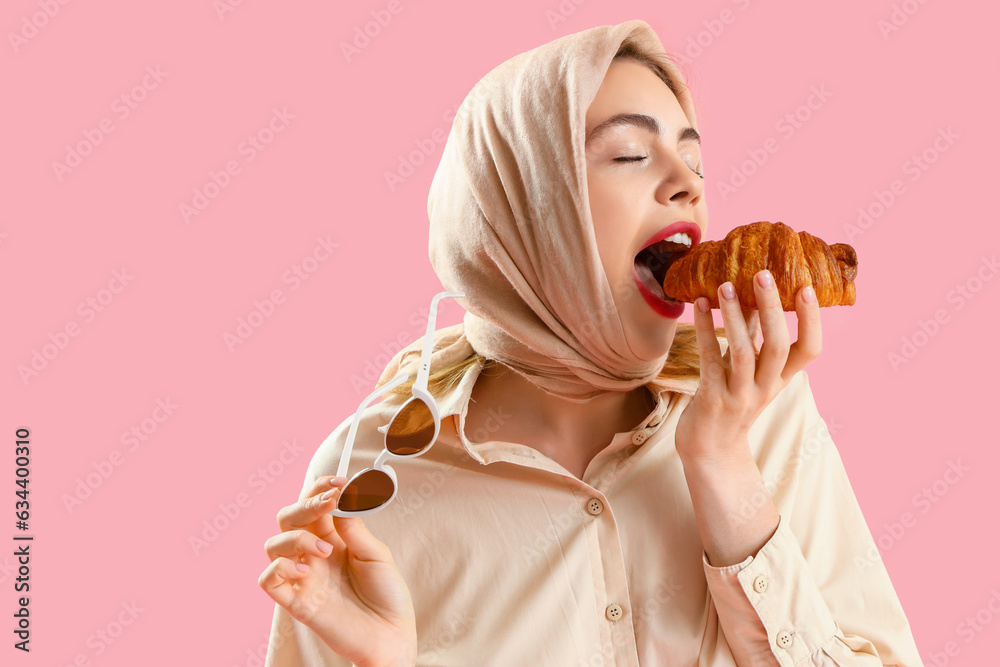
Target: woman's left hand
(735,388)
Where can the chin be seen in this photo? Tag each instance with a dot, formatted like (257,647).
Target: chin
(653,337)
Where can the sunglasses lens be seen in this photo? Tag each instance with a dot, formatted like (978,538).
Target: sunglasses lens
(411,430)
(366,491)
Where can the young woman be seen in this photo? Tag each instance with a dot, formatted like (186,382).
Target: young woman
(607,487)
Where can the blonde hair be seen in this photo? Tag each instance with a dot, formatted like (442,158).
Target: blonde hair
(683,362)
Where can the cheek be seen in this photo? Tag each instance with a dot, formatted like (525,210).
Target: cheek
(614,240)
(613,210)
(607,208)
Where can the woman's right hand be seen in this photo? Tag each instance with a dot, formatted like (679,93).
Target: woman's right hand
(352,594)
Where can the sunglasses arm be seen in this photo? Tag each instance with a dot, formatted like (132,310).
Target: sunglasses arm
(424,371)
(345,456)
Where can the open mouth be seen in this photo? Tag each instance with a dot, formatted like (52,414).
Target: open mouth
(652,262)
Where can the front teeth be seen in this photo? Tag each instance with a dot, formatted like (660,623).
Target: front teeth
(679,237)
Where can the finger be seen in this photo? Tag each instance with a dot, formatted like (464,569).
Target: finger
(712,370)
(295,544)
(752,318)
(323,484)
(276,580)
(742,357)
(360,542)
(809,343)
(774,327)
(312,508)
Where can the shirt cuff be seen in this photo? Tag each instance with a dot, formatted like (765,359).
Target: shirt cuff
(770,602)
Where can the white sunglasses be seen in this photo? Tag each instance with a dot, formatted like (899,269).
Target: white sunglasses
(408,434)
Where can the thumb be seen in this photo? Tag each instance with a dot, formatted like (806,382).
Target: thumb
(360,541)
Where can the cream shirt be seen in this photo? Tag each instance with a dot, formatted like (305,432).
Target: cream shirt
(511,560)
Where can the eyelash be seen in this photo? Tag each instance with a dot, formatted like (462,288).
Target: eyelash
(636,158)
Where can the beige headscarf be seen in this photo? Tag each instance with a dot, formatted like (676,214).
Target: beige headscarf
(511,226)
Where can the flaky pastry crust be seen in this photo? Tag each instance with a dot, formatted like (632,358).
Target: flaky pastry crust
(795,260)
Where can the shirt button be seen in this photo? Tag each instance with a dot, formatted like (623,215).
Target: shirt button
(639,437)
(760,583)
(784,639)
(595,506)
(613,612)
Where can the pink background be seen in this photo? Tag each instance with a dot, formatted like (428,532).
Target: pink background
(160,332)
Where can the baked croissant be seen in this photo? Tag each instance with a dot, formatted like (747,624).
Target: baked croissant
(795,260)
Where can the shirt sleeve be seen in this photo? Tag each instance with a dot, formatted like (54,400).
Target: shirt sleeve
(817,593)
(292,644)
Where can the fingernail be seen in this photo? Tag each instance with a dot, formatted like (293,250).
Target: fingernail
(809,294)
(301,567)
(728,291)
(702,304)
(765,279)
(325,547)
(337,481)
(329,494)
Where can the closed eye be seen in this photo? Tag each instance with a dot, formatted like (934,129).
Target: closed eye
(640,158)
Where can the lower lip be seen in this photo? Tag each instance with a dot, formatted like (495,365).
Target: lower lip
(671,309)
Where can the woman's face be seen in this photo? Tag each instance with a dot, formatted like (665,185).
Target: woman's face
(643,187)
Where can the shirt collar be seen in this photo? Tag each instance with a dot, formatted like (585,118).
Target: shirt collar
(454,401)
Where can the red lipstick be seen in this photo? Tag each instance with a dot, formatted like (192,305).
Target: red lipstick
(661,304)
(683,227)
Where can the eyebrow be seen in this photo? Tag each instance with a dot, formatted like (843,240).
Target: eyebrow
(643,122)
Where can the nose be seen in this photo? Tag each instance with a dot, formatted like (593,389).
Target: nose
(681,185)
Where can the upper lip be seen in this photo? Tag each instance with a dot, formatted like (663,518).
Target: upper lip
(682,227)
